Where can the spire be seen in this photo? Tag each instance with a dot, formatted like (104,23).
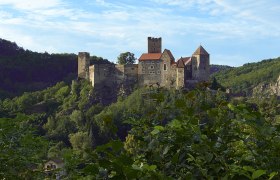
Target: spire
(200,51)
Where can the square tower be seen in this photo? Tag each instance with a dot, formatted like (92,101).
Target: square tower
(83,65)
(154,45)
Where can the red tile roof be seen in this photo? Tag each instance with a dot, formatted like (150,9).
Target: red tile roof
(200,51)
(150,56)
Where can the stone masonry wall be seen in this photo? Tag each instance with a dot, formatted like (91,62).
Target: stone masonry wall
(83,65)
(149,72)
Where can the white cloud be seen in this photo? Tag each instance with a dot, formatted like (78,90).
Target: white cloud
(31,4)
(116,26)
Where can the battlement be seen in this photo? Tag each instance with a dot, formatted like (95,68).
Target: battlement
(154,45)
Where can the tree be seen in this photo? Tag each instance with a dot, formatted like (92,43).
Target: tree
(126,58)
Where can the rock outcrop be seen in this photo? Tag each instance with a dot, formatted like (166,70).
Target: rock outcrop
(266,89)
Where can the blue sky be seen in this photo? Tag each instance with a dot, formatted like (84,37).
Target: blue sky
(234,32)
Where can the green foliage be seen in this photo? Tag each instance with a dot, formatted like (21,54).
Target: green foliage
(80,141)
(126,58)
(243,79)
(20,149)
(150,134)
(23,70)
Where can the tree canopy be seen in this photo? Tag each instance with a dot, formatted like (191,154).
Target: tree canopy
(126,58)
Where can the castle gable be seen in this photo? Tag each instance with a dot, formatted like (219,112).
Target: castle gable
(169,54)
(180,63)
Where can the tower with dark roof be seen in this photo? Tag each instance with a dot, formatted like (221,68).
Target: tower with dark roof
(200,64)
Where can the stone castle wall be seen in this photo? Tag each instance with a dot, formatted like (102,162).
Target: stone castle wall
(163,71)
(149,72)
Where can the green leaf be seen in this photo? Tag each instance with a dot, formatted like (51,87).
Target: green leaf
(149,168)
(175,157)
(157,129)
(175,124)
(258,173)
(231,106)
(191,158)
(271,175)
(248,168)
(166,149)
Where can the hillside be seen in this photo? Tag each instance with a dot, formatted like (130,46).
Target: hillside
(214,68)
(244,79)
(23,70)
(151,134)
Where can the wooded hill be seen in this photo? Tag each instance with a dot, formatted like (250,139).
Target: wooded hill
(153,133)
(243,79)
(24,70)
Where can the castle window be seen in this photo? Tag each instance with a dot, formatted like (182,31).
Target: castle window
(152,72)
(152,67)
(164,67)
(158,72)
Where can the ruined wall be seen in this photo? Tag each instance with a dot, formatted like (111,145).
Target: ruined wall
(102,75)
(83,65)
(149,72)
(154,45)
(126,75)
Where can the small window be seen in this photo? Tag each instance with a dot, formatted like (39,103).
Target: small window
(152,67)
(164,67)
(158,72)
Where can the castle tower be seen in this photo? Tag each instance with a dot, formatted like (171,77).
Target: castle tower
(83,65)
(201,64)
(154,45)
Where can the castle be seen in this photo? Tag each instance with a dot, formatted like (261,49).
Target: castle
(153,68)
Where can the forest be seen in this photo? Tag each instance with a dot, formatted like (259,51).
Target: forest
(152,133)
(24,70)
(243,79)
